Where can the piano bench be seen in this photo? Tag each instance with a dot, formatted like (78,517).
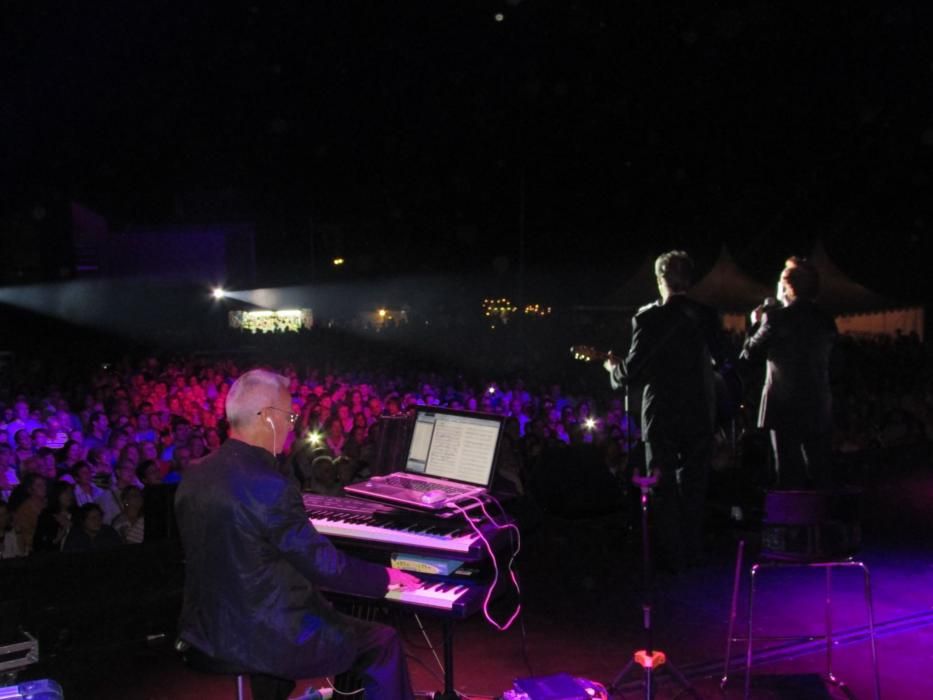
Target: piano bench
(262,687)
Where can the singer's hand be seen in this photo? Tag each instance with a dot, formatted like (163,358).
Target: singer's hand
(610,365)
(758,313)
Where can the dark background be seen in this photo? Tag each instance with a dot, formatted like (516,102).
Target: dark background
(428,137)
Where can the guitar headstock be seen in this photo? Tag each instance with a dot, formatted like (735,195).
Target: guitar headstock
(587,353)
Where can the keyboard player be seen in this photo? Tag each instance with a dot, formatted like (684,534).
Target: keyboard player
(255,564)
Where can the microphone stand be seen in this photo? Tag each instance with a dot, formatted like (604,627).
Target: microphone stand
(649,658)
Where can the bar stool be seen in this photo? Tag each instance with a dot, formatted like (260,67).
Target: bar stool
(799,530)
(262,686)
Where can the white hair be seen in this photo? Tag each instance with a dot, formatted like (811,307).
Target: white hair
(252,392)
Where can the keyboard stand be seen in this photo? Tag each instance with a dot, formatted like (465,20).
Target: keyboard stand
(449,692)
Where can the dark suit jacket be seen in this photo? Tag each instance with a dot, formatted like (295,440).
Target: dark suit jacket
(797,341)
(253,568)
(672,353)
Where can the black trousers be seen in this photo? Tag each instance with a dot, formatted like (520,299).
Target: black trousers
(802,461)
(269,687)
(682,464)
(380,667)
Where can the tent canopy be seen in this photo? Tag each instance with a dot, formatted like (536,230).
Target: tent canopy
(727,288)
(639,289)
(839,293)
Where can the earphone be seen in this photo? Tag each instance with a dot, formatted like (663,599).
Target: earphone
(272,425)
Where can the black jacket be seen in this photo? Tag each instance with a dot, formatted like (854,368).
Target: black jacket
(254,566)
(674,346)
(797,341)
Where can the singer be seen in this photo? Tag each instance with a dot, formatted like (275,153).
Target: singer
(795,337)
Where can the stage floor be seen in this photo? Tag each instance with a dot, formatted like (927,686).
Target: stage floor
(582,615)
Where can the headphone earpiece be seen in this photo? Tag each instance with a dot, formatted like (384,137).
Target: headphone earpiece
(269,421)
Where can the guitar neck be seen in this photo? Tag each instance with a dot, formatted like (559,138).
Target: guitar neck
(585,353)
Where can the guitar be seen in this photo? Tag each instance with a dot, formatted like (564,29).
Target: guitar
(727,382)
(587,353)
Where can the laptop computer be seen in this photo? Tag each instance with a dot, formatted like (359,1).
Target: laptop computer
(451,456)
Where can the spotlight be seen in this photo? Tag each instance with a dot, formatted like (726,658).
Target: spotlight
(338,262)
(218,293)
(589,424)
(315,438)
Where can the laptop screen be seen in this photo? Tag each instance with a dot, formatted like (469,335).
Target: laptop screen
(456,445)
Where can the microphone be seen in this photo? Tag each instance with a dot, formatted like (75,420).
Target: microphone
(768,303)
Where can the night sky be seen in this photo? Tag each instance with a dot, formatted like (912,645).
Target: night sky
(439,136)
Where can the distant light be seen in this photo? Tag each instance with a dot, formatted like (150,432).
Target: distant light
(382,313)
(218,293)
(589,424)
(315,438)
(281,313)
(491,390)
(338,262)
(499,16)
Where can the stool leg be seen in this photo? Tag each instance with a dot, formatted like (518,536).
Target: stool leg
(748,637)
(239,687)
(732,612)
(829,624)
(871,629)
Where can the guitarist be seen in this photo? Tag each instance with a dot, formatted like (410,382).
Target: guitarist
(675,343)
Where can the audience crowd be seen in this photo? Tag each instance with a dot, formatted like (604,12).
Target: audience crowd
(76,460)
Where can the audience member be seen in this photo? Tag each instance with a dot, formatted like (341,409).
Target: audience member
(111,500)
(70,455)
(148,473)
(8,476)
(181,434)
(55,521)
(85,491)
(98,431)
(90,533)
(131,524)
(10,546)
(23,445)
(181,458)
(27,502)
(21,420)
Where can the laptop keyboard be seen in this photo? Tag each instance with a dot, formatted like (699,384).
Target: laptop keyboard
(418,485)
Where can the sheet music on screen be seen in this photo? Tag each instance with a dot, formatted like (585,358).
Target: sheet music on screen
(453,447)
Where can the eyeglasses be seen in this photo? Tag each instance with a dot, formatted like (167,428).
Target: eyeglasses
(292,417)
